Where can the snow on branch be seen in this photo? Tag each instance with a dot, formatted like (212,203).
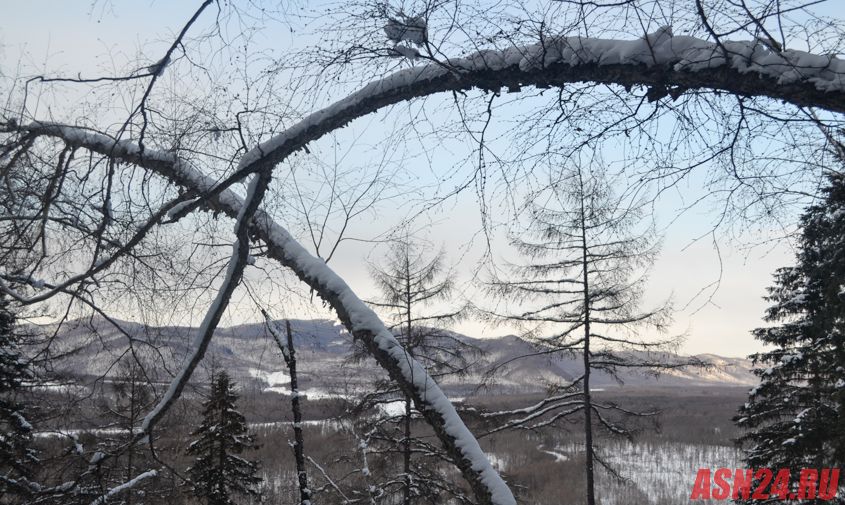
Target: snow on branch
(404,28)
(748,68)
(412,377)
(660,58)
(123,487)
(234,272)
(359,319)
(276,332)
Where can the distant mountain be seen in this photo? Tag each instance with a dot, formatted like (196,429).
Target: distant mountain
(91,347)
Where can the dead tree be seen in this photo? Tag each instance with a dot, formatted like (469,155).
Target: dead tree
(285,344)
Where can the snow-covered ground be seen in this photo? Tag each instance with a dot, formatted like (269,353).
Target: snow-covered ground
(659,472)
(655,472)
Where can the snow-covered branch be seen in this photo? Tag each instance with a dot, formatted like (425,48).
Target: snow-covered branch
(359,319)
(124,487)
(748,68)
(234,272)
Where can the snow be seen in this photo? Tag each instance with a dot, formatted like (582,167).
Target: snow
(498,462)
(557,453)
(24,424)
(279,382)
(407,52)
(158,67)
(800,417)
(393,409)
(123,487)
(73,433)
(309,393)
(179,207)
(690,54)
(276,331)
(278,378)
(661,48)
(789,358)
(406,29)
(321,394)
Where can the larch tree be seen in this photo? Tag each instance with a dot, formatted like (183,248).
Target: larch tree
(794,418)
(415,287)
(18,459)
(577,292)
(218,471)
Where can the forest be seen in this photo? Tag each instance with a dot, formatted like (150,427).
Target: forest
(422,252)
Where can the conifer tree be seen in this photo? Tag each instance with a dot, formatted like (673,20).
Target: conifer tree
(218,471)
(577,292)
(411,282)
(17,456)
(795,417)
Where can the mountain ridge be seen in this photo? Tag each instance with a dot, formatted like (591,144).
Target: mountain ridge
(324,349)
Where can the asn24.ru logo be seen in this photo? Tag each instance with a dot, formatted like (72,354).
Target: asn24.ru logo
(762,484)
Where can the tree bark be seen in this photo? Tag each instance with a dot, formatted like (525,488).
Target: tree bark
(588,403)
(298,439)
(409,346)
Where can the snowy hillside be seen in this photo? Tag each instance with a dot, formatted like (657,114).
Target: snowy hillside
(326,366)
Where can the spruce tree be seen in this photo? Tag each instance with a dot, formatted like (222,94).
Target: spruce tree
(17,456)
(795,417)
(218,472)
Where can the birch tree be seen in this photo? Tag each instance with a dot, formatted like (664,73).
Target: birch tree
(285,344)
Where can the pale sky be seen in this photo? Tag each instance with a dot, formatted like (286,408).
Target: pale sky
(74,37)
